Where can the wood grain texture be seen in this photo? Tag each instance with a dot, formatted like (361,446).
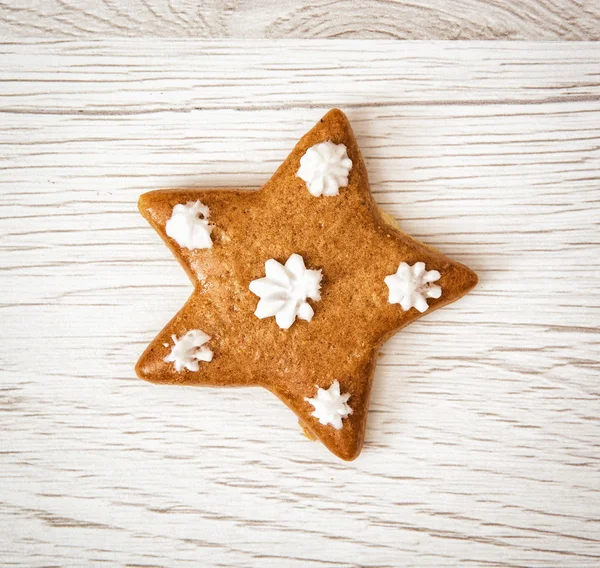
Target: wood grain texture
(483,442)
(420,19)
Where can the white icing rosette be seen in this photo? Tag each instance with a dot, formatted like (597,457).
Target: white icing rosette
(189,225)
(412,285)
(325,168)
(188,350)
(284,290)
(330,405)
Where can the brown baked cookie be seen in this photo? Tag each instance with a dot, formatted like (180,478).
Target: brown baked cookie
(338,281)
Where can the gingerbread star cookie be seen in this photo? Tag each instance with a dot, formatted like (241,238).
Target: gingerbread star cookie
(296,286)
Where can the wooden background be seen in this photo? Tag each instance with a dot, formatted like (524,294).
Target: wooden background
(483,441)
(415,19)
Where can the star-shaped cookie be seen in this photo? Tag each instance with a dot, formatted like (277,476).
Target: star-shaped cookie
(318,352)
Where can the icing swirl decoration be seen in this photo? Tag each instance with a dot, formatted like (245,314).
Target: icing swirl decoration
(325,168)
(188,350)
(284,290)
(189,225)
(412,285)
(330,405)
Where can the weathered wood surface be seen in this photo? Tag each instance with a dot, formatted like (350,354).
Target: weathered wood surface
(483,440)
(421,19)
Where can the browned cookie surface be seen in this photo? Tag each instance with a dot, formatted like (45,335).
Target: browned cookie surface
(346,237)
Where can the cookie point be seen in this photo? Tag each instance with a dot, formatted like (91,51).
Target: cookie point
(471,279)
(145,369)
(347,453)
(335,114)
(145,200)
(142,202)
(141,370)
(346,445)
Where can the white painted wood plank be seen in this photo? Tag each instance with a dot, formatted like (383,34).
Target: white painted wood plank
(384,19)
(482,445)
(130,77)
